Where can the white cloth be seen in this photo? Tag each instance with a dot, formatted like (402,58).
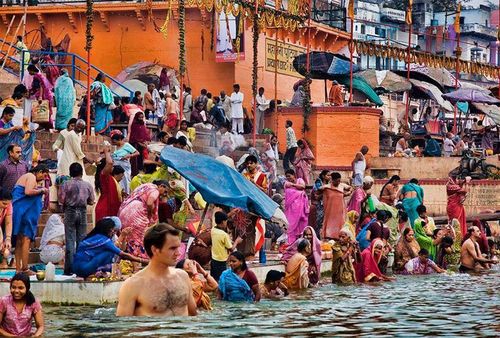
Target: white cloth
(53,229)
(237,105)
(262,102)
(226,105)
(72,153)
(360,166)
(237,126)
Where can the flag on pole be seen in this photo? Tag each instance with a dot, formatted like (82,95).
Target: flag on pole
(457,18)
(408,12)
(350,10)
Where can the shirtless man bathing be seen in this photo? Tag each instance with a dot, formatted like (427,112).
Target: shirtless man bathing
(471,259)
(159,289)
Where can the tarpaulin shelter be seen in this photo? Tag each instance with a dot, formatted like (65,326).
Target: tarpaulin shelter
(220,184)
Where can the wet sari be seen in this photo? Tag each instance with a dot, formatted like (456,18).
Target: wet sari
(297,275)
(65,99)
(404,252)
(410,204)
(314,259)
(26,210)
(350,222)
(296,210)
(455,206)
(200,297)
(110,198)
(369,263)
(233,288)
(102,98)
(334,206)
(342,270)
(134,214)
(425,241)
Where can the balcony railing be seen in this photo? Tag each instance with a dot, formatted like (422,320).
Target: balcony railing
(479,29)
(331,13)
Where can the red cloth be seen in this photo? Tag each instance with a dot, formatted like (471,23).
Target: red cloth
(109,201)
(455,207)
(369,263)
(139,132)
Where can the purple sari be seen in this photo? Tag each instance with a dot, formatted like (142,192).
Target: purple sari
(296,210)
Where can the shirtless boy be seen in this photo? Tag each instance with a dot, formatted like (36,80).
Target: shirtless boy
(159,289)
(470,255)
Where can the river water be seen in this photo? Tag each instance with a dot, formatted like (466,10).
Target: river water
(457,305)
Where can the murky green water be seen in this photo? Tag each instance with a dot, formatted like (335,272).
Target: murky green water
(439,305)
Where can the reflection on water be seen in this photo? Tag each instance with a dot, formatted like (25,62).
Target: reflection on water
(452,305)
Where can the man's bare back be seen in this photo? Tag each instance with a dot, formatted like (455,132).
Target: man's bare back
(468,254)
(153,295)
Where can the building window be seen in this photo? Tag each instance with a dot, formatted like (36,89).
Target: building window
(362,29)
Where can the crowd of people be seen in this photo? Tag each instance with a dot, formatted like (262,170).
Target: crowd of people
(147,223)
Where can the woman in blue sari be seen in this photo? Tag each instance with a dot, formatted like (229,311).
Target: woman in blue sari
(26,209)
(412,195)
(102,98)
(10,134)
(238,283)
(97,250)
(65,99)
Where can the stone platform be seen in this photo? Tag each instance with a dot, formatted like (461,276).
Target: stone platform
(101,293)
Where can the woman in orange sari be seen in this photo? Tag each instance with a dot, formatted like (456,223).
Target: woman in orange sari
(297,276)
(303,160)
(201,282)
(334,206)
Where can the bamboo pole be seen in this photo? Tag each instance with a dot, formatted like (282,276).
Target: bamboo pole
(351,54)
(8,31)
(408,58)
(276,80)
(11,43)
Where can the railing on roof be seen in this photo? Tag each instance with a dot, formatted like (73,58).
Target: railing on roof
(329,12)
(77,66)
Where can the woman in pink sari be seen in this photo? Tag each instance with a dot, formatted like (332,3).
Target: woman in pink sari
(360,195)
(457,192)
(296,205)
(41,89)
(303,160)
(140,211)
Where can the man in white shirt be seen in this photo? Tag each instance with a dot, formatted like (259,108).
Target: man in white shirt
(448,145)
(237,109)
(72,151)
(262,105)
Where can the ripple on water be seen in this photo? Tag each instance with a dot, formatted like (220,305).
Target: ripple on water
(438,305)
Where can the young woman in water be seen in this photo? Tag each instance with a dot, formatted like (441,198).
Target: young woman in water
(18,309)
(238,283)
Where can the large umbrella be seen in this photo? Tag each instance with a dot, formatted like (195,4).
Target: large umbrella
(440,77)
(137,77)
(384,81)
(324,65)
(219,184)
(360,85)
(490,110)
(471,95)
(426,90)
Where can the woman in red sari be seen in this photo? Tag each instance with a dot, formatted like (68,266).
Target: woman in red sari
(457,192)
(303,160)
(107,184)
(139,139)
(370,257)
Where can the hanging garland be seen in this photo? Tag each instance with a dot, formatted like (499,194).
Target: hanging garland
(182,38)
(90,20)
(306,103)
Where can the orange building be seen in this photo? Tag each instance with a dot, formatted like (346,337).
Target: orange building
(125,35)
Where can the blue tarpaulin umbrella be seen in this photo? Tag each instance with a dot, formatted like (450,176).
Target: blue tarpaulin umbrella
(220,184)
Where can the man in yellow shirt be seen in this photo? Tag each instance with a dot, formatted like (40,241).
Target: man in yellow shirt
(221,245)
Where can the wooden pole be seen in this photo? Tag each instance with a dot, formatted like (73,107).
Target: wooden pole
(458,53)
(351,53)
(88,95)
(8,31)
(11,43)
(203,215)
(408,58)
(276,79)
(25,17)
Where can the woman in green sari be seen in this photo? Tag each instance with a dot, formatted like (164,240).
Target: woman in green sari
(412,195)
(427,242)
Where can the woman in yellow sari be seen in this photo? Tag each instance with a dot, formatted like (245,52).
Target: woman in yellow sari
(201,282)
(352,218)
(297,276)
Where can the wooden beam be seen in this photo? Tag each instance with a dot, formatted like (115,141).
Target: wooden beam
(72,22)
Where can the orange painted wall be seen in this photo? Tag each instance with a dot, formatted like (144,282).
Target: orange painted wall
(126,44)
(336,133)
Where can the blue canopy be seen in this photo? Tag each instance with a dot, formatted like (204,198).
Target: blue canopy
(220,184)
